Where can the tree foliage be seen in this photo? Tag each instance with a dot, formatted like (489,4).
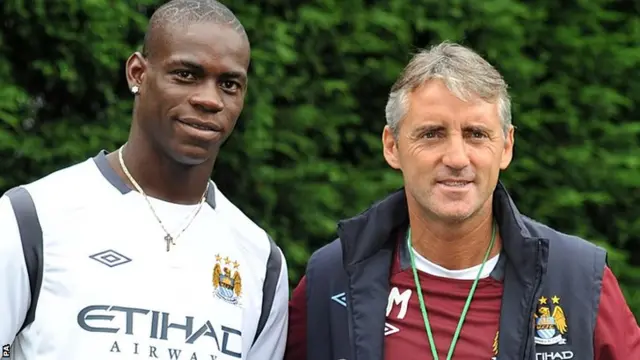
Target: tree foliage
(307,150)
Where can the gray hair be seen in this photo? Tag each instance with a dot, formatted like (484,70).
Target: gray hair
(465,74)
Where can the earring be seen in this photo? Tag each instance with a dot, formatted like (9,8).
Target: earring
(135,89)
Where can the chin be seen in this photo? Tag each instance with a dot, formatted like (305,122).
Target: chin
(192,155)
(454,217)
(452,212)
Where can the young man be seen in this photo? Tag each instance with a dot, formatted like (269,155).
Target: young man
(447,268)
(136,253)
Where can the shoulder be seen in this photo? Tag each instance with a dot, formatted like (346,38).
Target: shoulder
(68,186)
(66,192)
(562,244)
(327,257)
(330,252)
(245,229)
(57,199)
(572,262)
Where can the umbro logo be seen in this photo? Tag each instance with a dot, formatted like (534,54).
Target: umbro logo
(111,258)
(390,329)
(342,300)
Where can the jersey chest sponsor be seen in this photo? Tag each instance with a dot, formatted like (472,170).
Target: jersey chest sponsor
(158,334)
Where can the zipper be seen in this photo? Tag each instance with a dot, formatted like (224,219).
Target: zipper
(526,353)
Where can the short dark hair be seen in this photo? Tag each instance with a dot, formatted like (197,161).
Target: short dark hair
(185,12)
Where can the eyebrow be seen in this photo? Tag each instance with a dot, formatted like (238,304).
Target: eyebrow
(480,127)
(429,127)
(191,65)
(438,127)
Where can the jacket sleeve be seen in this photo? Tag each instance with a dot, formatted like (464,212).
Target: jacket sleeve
(15,293)
(617,335)
(297,339)
(271,342)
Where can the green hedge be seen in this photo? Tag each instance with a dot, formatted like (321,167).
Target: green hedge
(307,151)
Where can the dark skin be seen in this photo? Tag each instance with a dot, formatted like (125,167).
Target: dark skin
(196,71)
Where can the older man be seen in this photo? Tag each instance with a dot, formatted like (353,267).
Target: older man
(448,267)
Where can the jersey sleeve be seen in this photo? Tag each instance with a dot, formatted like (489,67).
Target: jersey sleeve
(617,336)
(297,338)
(271,342)
(15,293)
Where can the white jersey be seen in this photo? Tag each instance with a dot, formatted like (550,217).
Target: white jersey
(109,289)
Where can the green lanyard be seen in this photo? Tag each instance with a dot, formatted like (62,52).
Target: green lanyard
(427,326)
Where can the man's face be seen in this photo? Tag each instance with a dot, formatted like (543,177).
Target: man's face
(192,89)
(450,152)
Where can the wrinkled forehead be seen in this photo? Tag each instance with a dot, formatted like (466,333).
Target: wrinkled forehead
(436,103)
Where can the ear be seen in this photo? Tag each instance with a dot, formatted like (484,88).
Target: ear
(390,148)
(136,69)
(507,152)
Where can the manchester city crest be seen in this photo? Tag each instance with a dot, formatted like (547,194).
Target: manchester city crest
(227,284)
(551,325)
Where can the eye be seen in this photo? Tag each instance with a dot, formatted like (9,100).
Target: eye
(230,86)
(184,74)
(477,134)
(432,133)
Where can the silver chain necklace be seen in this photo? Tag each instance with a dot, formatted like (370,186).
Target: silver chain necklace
(169,239)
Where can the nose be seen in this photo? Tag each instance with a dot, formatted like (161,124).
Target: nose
(207,99)
(456,156)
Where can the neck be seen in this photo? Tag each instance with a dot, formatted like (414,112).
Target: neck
(159,176)
(454,246)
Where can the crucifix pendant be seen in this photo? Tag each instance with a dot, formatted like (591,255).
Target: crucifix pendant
(169,241)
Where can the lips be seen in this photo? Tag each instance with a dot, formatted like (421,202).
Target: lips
(454,183)
(199,131)
(200,124)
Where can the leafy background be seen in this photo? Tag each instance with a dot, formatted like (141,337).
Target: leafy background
(307,151)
